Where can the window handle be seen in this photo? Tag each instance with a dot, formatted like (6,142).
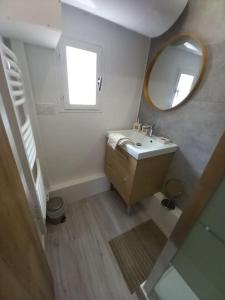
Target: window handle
(99,82)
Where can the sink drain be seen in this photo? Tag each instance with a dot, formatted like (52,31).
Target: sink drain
(138,144)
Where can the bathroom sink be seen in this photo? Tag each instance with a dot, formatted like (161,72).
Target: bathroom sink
(145,146)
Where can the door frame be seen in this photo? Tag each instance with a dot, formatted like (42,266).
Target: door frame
(24,269)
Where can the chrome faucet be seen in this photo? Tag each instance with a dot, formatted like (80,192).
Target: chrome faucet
(149,129)
(150,132)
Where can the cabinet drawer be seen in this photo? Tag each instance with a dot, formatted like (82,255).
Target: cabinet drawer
(121,160)
(121,181)
(120,168)
(135,179)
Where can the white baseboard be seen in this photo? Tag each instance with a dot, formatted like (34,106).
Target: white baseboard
(81,188)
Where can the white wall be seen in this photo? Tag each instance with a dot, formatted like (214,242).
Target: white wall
(33,21)
(43,13)
(150,18)
(75,142)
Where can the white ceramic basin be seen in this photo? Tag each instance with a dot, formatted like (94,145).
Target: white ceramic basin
(145,146)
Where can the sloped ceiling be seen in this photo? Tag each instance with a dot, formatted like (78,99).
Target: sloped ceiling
(148,17)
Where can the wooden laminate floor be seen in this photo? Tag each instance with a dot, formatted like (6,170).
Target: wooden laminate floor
(79,254)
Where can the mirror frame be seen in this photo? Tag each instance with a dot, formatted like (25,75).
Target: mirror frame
(177,37)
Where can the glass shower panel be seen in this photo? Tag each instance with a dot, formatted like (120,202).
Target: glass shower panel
(214,215)
(201,262)
(198,269)
(173,287)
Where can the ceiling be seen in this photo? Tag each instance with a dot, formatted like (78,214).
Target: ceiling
(148,17)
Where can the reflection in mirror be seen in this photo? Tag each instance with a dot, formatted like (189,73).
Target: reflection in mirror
(175,72)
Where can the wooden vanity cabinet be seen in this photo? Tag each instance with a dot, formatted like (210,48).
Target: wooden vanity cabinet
(135,179)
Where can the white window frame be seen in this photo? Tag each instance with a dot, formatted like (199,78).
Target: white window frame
(180,71)
(67,106)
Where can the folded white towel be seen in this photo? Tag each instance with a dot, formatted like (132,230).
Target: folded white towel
(116,139)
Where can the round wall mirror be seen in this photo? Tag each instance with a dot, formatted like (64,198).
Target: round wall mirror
(175,72)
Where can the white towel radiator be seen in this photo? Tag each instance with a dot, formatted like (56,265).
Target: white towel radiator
(15,106)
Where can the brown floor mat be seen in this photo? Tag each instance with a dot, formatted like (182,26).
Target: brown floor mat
(136,252)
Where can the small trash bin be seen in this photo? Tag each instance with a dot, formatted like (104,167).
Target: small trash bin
(55,210)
